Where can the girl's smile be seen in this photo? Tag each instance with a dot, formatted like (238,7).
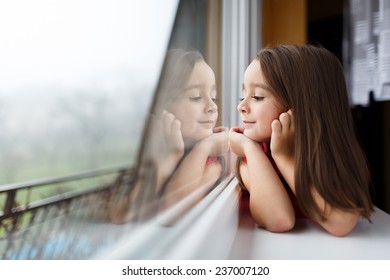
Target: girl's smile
(258,107)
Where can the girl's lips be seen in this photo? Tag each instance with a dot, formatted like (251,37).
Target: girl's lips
(247,123)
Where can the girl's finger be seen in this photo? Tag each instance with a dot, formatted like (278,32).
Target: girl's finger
(276,127)
(290,113)
(177,137)
(219,129)
(237,129)
(285,120)
(168,118)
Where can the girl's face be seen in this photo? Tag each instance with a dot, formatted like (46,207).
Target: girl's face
(195,106)
(258,107)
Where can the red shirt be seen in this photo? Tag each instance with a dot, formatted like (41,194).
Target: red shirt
(211,160)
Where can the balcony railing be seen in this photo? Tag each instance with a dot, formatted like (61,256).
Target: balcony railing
(67,225)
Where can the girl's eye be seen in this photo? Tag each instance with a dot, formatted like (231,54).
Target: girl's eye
(196,98)
(215,100)
(258,98)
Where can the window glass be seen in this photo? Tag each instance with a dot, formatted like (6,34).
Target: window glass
(184,154)
(76,82)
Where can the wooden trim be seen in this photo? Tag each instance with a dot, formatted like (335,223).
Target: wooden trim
(213,44)
(284,22)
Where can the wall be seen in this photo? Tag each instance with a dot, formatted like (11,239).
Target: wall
(284,22)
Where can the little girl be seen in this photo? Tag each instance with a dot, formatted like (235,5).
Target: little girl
(297,150)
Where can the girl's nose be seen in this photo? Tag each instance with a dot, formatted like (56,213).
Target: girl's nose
(211,106)
(242,107)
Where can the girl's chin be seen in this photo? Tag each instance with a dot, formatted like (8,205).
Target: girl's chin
(257,138)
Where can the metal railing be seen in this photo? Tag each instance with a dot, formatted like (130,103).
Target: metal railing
(65,225)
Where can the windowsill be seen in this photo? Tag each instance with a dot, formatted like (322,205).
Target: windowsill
(309,241)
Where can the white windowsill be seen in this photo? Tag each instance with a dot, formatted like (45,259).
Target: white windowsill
(308,241)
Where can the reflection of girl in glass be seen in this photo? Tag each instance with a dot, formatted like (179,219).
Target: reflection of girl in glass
(193,146)
(297,146)
(183,150)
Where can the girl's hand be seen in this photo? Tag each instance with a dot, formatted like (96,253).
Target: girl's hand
(172,137)
(166,141)
(282,137)
(216,143)
(238,142)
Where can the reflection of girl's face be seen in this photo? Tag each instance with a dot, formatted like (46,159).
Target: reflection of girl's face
(258,107)
(195,106)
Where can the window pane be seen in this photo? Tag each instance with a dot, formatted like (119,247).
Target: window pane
(185,148)
(76,82)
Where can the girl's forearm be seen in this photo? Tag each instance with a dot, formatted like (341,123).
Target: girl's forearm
(190,175)
(287,169)
(270,204)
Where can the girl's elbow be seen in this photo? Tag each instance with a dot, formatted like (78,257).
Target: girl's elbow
(343,227)
(283,225)
(340,230)
(280,224)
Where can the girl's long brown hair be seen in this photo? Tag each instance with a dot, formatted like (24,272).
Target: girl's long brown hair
(310,81)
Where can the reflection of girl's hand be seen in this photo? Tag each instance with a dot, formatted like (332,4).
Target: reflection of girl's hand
(282,137)
(169,145)
(238,142)
(216,143)
(173,138)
